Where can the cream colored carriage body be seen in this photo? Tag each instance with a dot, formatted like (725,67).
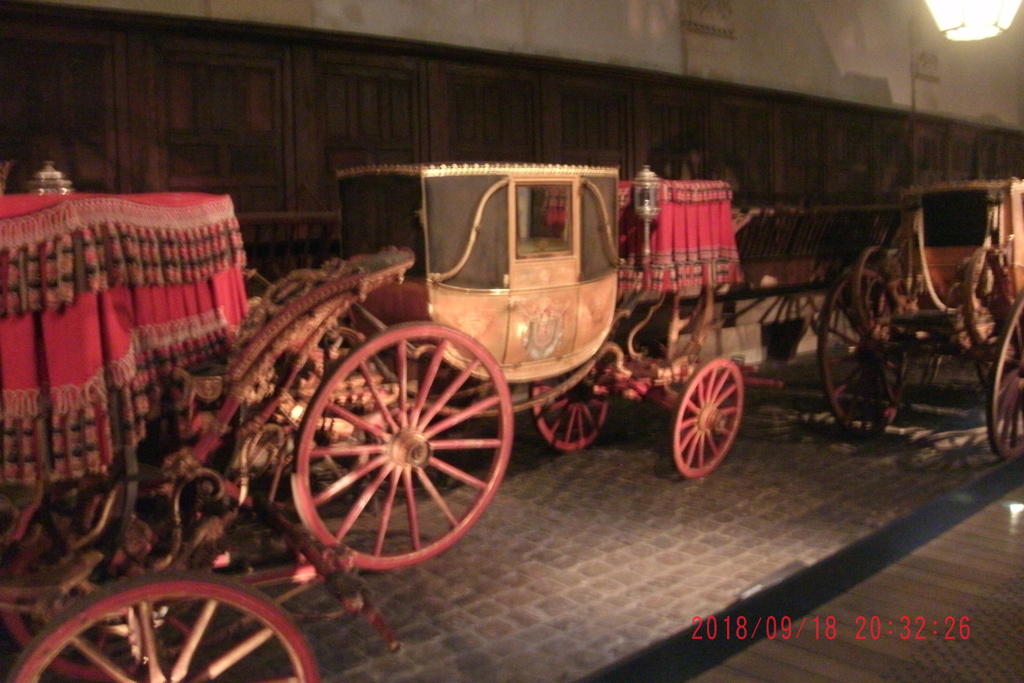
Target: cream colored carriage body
(945,224)
(522,257)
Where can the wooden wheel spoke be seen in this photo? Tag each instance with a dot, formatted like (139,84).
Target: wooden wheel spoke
(347,450)
(712,443)
(687,424)
(101,661)
(696,450)
(427,382)
(717,385)
(687,438)
(382,403)
(360,505)
(343,483)
(588,413)
(386,510)
(466,413)
(236,654)
(334,410)
(195,635)
(558,405)
(412,511)
(150,651)
(442,400)
(574,425)
(436,496)
(457,473)
(725,392)
(402,368)
(474,444)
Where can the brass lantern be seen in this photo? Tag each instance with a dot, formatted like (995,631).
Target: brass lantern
(973,19)
(647,202)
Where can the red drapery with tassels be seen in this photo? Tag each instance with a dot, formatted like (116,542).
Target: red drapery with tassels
(692,233)
(101,296)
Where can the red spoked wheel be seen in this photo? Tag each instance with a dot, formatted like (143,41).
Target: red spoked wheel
(390,460)
(1005,406)
(707,418)
(862,373)
(171,627)
(573,420)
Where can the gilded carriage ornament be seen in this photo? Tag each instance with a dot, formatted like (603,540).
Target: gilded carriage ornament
(545,325)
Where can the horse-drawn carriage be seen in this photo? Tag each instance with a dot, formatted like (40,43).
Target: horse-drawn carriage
(382,387)
(949,284)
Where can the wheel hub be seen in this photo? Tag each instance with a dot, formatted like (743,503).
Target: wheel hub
(411,448)
(710,420)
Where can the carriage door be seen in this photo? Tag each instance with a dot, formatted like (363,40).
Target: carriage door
(545,269)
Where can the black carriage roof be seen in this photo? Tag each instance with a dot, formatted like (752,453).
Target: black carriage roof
(481,169)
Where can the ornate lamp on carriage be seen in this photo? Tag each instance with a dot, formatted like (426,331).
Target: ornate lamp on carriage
(646,206)
(973,19)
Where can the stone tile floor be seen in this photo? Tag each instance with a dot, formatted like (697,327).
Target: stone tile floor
(586,558)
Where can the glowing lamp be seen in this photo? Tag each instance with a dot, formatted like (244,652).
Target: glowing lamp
(973,19)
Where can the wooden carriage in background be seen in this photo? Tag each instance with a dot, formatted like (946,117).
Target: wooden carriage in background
(949,284)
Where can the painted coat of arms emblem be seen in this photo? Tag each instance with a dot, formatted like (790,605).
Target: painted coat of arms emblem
(545,326)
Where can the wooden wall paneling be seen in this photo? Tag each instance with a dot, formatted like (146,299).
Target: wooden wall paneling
(961,153)
(352,110)
(849,158)
(58,102)
(219,120)
(740,146)
(587,120)
(928,148)
(1012,165)
(672,131)
(894,161)
(799,154)
(483,113)
(128,102)
(989,155)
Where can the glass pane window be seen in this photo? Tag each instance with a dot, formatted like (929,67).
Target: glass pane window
(543,219)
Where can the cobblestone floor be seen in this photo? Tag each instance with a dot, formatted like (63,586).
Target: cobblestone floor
(583,559)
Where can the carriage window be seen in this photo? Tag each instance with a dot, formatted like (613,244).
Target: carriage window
(543,219)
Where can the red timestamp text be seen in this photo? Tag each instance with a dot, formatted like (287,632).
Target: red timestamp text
(913,628)
(771,627)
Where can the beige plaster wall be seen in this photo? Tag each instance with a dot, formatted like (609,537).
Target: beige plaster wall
(853,50)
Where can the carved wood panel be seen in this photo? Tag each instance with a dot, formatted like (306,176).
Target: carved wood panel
(587,121)
(740,143)
(218,119)
(894,159)
(929,140)
(57,103)
(132,103)
(1012,165)
(961,153)
(483,113)
(799,154)
(850,158)
(990,152)
(672,133)
(352,110)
